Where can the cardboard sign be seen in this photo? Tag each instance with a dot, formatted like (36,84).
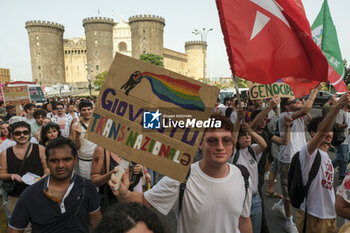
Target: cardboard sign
(16,95)
(266,91)
(152,116)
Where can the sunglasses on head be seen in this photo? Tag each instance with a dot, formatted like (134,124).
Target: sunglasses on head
(19,133)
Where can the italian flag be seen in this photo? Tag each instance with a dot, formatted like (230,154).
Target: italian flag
(325,36)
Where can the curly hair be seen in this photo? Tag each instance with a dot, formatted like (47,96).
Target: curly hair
(122,217)
(46,128)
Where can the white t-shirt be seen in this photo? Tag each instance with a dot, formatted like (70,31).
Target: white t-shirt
(64,124)
(297,138)
(29,121)
(321,197)
(247,160)
(233,117)
(222,108)
(87,147)
(209,204)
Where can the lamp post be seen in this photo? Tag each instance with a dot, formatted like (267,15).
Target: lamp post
(89,69)
(203,33)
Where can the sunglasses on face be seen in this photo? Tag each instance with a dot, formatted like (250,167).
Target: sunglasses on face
(59,108)
(294,101)
(213,141)
(19,133)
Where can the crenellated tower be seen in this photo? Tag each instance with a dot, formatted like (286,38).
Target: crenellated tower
(147,34)
(46,51)
(196,59)
(99,44)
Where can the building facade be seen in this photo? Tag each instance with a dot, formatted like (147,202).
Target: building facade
(74,61)
(5,76)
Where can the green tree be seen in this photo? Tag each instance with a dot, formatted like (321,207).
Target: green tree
(346,72)
(100,79)
(152,58)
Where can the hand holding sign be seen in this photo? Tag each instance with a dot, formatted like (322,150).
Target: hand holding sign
(275,101)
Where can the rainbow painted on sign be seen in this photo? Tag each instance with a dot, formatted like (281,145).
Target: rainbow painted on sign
(178,92)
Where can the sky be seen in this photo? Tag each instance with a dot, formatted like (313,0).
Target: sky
(182,17)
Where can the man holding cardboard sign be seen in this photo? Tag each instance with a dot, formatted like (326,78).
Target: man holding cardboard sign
(215,198)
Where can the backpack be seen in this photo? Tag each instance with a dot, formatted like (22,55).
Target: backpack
(236,156)
(243,169)
(296,190)
(338,136)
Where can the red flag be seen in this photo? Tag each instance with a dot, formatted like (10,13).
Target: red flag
(268,40)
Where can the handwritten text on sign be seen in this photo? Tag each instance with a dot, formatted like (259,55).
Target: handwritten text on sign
(265,91)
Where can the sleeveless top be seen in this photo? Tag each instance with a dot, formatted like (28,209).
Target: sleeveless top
(32,164)
(87,147)
(105,189)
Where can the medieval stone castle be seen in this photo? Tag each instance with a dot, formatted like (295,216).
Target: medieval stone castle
(71,61)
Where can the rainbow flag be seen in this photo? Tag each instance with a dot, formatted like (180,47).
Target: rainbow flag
(178,92)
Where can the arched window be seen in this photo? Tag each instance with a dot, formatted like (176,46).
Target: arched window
(122,46)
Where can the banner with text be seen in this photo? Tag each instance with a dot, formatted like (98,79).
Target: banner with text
(152,116)
(16,95)
(266,91)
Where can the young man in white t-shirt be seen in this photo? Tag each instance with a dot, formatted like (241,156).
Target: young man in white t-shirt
(321,216)
(294,109)
(215,198)
(249,155)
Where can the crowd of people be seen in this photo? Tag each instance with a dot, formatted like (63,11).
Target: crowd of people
(56,180)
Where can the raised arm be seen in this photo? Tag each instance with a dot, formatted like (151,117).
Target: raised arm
(257,138)
(237,125)
(308,104)
(274,102)
(327,123)
(288,121)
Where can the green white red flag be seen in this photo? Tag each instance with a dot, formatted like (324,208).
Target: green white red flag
(325,36)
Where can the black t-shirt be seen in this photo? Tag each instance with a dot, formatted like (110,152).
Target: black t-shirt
(45,215)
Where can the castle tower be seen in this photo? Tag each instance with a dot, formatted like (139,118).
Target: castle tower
(196,59)
(99,44)
(147,34)
(46,51)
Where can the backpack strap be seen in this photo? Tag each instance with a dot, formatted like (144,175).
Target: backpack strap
(235,157)
(252,153)
(312,174)
(182,189)
(245,174)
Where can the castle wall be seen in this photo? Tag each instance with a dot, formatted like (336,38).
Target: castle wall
(46,51)
(147,34)
(175,61)
(196,59)
(99,44)
(75,60)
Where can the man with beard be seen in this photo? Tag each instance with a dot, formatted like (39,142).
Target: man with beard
(19,159)
(61,202)
(85,147)
(293,108)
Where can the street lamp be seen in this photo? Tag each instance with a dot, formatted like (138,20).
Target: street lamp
(203,33)
(89,69)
